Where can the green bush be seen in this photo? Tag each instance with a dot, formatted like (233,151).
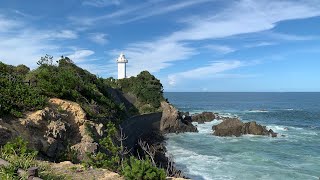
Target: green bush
(17,146)
(67,81)
(136,169)
(19,156)
(108,157)
(146,88)
(16,96)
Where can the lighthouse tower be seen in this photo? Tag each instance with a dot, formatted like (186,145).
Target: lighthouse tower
(122,61)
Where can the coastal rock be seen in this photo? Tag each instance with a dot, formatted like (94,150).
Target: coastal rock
(228,128)
(172,121)
(254,128)
(203,117)
(52,130)
(234,127)
(57,130)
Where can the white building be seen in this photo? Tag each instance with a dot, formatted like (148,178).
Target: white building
(122,61)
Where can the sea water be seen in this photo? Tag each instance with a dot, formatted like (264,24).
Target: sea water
(294,154)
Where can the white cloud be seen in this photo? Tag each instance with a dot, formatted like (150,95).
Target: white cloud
(24,48)
(64,34)
(220,48)
(8,24)
(290,37)
(246,16)
(241,17)
(205,71)
(80,55)
(98,38)
(137,12)
(259,44)
(154,56)
(26,45)
(101,3)
(164,10)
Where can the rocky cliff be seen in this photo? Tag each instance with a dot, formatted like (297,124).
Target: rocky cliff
(61,125)
(173,122)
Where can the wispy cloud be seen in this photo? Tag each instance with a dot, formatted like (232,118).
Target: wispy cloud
(101,3)
(24,49)
(290,37)
(165,9)
(223,49)
(64,34)
(26,45)
(246,16)
(8,24)
(138,12)
(99,38)
(259,44)
(215,69)
(205,71)
(241,17)
(80,55)
(154,56)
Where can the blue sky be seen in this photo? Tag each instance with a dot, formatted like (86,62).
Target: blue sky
(190,45)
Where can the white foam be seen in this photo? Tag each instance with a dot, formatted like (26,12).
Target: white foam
(258,111)
(277,128)
(310,133)
(194,165)
(206,127)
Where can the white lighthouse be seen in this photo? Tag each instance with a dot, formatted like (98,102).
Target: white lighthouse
(122,61)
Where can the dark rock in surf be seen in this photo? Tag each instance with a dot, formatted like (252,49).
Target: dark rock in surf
(173,122)
(203,117)
(234,127)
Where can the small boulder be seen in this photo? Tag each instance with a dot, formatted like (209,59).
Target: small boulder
(203,117)
(234,127)
(228,128)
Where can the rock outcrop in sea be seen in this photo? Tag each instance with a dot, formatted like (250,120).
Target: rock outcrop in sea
(203,117)
(235,127)
(173,122)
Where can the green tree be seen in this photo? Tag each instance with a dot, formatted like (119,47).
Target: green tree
(46,60)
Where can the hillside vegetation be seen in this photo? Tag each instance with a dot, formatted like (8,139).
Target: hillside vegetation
(23,90)
(146,88)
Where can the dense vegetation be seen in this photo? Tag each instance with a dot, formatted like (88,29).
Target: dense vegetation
(23,90)
(114,156)
(20,157)
(147,89)
(15,95)
(65,81)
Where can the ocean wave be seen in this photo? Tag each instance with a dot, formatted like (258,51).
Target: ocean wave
(258,111)
(188,155)
(269,110)
(193,164)
(282,128)
(206,127)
